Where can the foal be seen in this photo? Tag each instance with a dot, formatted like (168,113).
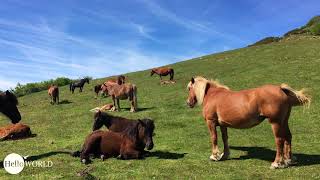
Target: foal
(245,109)
(128,144)
(53,93)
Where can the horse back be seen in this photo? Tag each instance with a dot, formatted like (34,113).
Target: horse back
(111,143)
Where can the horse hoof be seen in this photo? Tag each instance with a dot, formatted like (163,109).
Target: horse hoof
(291,162)
(279,165)
(216,157)
(84,161)
(103,157)
(225,156)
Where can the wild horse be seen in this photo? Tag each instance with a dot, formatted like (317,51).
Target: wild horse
(78,84)
(163,71)
(245,109)
(8,106)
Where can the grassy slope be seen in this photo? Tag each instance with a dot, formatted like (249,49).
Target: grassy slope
(182,139)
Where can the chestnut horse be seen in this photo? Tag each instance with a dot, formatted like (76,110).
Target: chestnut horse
(53,93)
(15,131)
(121,92)
(8,106)
(245,109)
(163,71)
(119,80)
(128,144)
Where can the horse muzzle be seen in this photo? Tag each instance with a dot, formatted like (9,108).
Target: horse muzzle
(149,146)
(191,105)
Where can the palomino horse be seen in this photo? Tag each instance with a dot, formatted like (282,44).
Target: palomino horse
(163,71)
(128,144)
(79,84)
(245,109)
(8,106)
(53,93)
(121,92)
(113,123)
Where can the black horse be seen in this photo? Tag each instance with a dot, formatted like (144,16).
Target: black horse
(79,84)
(8,106)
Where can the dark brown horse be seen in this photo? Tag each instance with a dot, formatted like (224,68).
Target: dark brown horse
(53,93)
(128,144)
(97,89)
(245,109)
(79,84)
(121,92)
(113,123)
(163,71)
(8,106)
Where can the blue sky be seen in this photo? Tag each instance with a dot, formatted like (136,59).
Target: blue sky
(41,39)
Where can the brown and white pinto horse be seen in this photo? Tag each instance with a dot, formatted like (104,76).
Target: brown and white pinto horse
(163,71)
(121,92)
(53,93)
(245,109)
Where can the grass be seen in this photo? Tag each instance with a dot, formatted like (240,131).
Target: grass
(182,144)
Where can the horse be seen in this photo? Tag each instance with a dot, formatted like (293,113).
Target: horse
(121,92)
(129,144)
(97,89)
(163,71)
(119,80)
(245,109)
(8,106)
(53,93)
(15,131)
(113,123)
(78,84)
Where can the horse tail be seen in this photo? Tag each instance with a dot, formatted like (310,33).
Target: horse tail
(296,98)
(172,74)
(134,96)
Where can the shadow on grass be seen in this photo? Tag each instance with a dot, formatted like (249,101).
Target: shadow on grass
(166,155)
(40,156)
(139,109)
(265,154)
(65,102)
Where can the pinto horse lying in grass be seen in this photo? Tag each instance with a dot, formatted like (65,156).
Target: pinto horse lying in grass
(245,109)
(15,131)
(128,144)
(163,71)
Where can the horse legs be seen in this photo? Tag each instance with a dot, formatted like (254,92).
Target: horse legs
(279,133)
(130,154)
(118,104)
(80,90)
(114,108)
(160,77)
(288,158)
(215,156)
(226,150)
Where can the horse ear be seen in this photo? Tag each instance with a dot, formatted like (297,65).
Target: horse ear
(192,80)
(8,92)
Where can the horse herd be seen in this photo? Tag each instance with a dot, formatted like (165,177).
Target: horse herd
(221,107)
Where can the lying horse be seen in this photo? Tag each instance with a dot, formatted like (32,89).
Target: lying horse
(128,144)
(163,71)
(245,109)
(15,131)
(8,106)
(121,92)
(53,93)
(113,123)
(79,84)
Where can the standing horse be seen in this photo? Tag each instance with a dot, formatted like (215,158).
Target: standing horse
(97,89)
(163,71)
(8,106)
(119,80)
(128,144)
(245,109)
(79,84)
(53,93)
(121,92)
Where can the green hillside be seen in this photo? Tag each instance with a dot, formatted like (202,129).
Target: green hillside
(182,143)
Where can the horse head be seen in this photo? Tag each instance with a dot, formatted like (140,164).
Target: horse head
(87,80)
(98,120)
(192,98)
(146,132)
(8,106)
(152,72)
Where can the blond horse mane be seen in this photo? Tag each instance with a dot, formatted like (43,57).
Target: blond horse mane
(200,84)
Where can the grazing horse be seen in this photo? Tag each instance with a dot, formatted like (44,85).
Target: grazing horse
(53,93)
(128,144)
(79,84)
(245,109)
(163,71)
(121,92)
(8,106)
(113,123)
